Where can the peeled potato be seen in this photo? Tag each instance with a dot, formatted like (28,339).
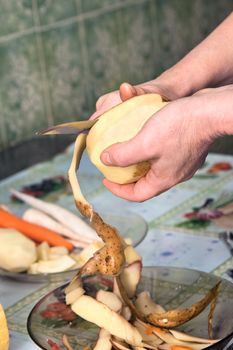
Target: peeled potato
(119,124)
(4,333)
(17,252)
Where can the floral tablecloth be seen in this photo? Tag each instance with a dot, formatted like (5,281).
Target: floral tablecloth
(184,225)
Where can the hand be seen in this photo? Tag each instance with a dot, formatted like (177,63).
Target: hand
(128,91)
(175,141)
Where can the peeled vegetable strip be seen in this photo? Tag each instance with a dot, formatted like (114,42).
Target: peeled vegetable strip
(189,338)
(38,217)
(177,317)
(35,232)
(78,244)
(168,338)
(110,258)
(62,215)
(95,312)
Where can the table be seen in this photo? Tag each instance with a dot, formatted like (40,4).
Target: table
(177,236)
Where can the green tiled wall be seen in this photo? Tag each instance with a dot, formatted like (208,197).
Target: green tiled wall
(58,56)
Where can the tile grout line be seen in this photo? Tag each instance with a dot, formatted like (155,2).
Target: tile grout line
(84,51)
(153,24)
(120,18)
(3,128)
(41,57)
(62,23)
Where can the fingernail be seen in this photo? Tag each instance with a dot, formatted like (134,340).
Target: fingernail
(105,157)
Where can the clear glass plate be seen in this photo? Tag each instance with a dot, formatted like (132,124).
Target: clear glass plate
(130,225)
(170,287)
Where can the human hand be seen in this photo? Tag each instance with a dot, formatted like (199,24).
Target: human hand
(175,141)
(127,91)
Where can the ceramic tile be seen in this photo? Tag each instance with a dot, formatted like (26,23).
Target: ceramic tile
(105,59)
(65,73)
(183,24)
(3,136)
(136,42)
(15,16)
(121,40)
(89,5)
(55,10)
(22,107)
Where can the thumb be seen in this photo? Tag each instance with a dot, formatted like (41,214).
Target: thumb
(126,153)
(128,91)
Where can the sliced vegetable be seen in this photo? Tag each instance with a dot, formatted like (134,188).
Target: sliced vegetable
(131,255)
(126,313)
(74,295)
(130,277)
(119,345)
(168,338)
(87,252)
(110,299)
(103,341)
(57,252)
(52,266)
(43,251)
(185,337)
(35,232)
(101,315)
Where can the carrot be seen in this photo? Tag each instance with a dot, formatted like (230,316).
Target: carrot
(35,232)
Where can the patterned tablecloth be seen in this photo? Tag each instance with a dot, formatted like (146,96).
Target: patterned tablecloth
(183,226)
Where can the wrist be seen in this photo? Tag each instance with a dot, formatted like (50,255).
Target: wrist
(214,111)
(175,82)
(224,117)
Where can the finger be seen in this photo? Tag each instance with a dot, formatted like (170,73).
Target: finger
(100,101)
(203,91)
(137,192)
(128,91)
(96,114)
(106,102)
(137,149)
(128,153)
(213,90)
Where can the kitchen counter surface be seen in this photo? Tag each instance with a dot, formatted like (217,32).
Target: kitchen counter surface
(182,228)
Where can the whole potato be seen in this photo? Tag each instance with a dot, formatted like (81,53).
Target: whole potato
(17,252)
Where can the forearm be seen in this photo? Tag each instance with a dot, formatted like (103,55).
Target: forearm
(209,64)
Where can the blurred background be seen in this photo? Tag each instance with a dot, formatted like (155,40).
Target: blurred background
(58,56)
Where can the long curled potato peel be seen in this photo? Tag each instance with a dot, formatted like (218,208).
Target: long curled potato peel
(176,317)
(109,259)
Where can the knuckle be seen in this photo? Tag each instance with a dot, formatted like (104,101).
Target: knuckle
(100,101)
